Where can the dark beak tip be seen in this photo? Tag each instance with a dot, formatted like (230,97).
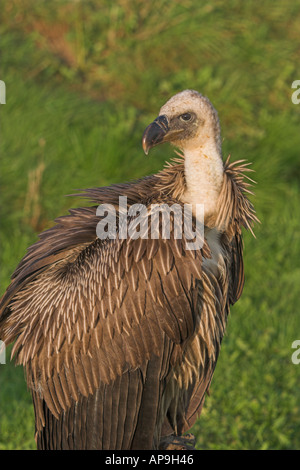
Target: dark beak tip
(155,133)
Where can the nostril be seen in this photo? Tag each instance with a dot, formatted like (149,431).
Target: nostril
(163,122)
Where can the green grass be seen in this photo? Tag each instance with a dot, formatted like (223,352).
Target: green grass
(83,80)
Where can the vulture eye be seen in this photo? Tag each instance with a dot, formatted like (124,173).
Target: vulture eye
(186,117)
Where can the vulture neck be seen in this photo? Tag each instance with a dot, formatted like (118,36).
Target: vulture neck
(204,173)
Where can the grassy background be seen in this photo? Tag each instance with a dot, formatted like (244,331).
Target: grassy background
(83,80)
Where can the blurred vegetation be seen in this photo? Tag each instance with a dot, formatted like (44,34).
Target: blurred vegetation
(83,79)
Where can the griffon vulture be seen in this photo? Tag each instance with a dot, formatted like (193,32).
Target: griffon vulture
(120,336)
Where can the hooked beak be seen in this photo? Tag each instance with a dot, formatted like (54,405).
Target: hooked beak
(158,132)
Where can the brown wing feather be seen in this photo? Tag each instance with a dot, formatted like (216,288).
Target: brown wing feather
(237,269)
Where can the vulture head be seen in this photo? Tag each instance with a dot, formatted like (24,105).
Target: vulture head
(188,120)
